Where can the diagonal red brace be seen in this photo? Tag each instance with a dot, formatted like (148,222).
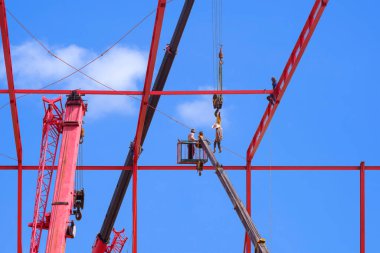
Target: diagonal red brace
(143,109)
(287,74)
(16,126)
(290,67)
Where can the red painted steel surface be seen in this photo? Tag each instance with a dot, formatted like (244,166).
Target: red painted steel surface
(51,130)
(132,93)
(64,185)
(9,72)
(118,241)
(15,122)
(185,168)
(362,207)
(99,246)
(248,178)
(285,78)
(287,74)
(143,109)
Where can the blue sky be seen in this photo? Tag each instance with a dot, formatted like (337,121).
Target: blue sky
(328,116)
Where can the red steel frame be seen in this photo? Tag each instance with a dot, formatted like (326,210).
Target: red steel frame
(362,168)
(362,207)
(143,109)
(290,67)
(186,168)
(284,80)
(155,93)
(16,125)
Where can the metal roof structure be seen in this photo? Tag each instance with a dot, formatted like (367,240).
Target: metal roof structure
(148,94)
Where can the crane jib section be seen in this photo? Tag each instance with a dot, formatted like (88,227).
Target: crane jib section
(51,131)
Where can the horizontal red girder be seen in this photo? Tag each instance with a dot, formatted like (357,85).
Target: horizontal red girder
(179,168)
(157,93)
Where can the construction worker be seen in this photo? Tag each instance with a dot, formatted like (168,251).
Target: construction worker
(218,136)
(81,135)
(272,98)
(191,146)
(201,136)
(218,117)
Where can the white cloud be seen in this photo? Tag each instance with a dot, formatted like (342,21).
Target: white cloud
(121,68)
(197,113)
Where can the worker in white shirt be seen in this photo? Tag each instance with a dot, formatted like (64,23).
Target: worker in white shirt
(191,146)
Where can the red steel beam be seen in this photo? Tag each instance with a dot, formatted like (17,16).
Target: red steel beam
(362,207)
(287,74)
(186,168)
(248,186)
(212,92)
(155,93)
(15,122)
(143,109)
(290,67)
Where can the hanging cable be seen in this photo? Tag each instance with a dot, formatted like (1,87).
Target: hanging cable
(217,11)
(270,191)
(84,66)
(7,156)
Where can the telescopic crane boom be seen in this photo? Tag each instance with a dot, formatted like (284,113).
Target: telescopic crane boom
(60,226)
(240,209)
(102,238)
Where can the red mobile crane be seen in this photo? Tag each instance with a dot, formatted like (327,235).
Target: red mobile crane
(53,126)
(65,198)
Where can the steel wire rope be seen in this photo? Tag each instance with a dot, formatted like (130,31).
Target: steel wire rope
(96,58)
(81,163)
(7,156)
(270,190)
(213,44)
(84,66)
(79,69)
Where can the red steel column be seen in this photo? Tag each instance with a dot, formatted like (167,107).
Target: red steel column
(143,109)
(134,206)
(64,186)
(16,125)
(362,207)
(247,241)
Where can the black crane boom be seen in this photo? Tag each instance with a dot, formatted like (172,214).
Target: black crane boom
(125,176)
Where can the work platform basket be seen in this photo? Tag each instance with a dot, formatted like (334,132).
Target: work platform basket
(190,152)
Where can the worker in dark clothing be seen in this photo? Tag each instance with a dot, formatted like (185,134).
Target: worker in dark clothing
(81,135)
(272,98)
(201,136)
(191,146)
